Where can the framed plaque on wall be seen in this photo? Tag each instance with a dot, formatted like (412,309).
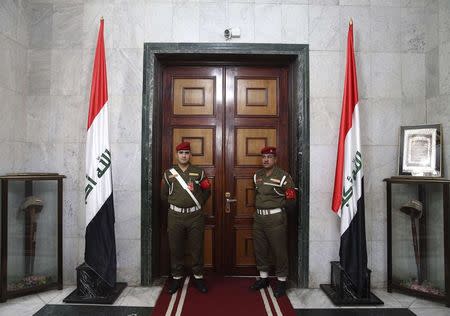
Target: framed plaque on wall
(420,150)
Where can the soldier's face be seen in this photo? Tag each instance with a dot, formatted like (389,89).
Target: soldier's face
(269,160)
(183,156)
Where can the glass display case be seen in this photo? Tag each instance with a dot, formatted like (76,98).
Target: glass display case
(418,236)
(31,233)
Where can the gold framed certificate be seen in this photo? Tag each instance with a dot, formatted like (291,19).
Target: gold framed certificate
(420,150)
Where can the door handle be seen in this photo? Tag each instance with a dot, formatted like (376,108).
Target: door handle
(228,200)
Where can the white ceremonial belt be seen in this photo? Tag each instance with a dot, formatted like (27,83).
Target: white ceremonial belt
(184,209)
(268,211)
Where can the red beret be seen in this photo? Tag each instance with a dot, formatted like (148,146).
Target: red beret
(269,150)
(183,146)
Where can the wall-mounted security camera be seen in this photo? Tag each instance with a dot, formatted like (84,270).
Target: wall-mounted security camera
(232,32)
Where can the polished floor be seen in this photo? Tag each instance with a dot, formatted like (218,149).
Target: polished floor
(147,296)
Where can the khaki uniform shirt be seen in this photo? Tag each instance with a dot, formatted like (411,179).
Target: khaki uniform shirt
(270,190)
(173,192)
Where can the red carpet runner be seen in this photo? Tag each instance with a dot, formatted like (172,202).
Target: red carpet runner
(227,296)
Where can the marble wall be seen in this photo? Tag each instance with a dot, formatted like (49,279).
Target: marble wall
(13,84)
(397,73)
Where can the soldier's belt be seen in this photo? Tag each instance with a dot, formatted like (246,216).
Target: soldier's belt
(268,211)
(184,209)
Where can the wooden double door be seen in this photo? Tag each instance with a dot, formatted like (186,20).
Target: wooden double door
(227,113)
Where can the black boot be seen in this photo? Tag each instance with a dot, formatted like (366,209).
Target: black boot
(280,289)
(200,285)
(174,285)
(259,284)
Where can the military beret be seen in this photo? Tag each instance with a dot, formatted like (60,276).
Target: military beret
(269,150)
(183,146)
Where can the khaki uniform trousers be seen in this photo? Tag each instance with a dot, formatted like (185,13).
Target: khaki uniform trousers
(269,234)
(185,228)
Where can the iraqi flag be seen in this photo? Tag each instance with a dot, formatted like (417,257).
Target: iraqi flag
(100,250)
(348,196)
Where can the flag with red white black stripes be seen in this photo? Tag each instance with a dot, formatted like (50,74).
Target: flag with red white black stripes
(348,195)
(100,244)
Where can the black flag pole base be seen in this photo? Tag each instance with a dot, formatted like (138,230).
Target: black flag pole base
(91,289)
(340,292)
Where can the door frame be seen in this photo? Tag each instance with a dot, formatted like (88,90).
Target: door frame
(156,57)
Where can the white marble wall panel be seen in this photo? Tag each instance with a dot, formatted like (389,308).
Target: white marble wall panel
(385,29)
(8,98)
(431,26)
(386,75)
(326,74)
(242,15)
(293,1)
(324,28)
(363,72)
(71,114)
(379,121)
(128,261)
(8,50)
(213,22)
(23,22)
(126,66)
(41,119)
(325,114)
(413,111)
(323,2)
(294,24)
(71,246)
(38,71)
(66,72)
(413,75)
(438,109)
(414,3)
(432,73)
(444,21)
(323,163)
(378,263)
(41,22)
(385,3)
(92,12)
(6,157)
(67,23)
(127,158)
(320,216)
(38,157)
(413,30)
(376,203)
(158,22)
(125,118)
(129,24)
(127,208)
(186,22)
(380,163)
(444,68)
(320,255)
(72,202)
(267,23)
(8,18)
(354,2)
(74,167)
(361,27)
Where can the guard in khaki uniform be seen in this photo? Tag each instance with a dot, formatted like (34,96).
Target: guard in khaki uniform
(186,188)
(274,188)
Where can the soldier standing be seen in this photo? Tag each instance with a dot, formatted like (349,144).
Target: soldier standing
(186,188)
(274,188)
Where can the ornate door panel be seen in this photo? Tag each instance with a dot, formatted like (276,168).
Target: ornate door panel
(256,116)
(193,111)
(228,114)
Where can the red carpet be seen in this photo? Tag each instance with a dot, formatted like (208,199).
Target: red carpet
(227,296)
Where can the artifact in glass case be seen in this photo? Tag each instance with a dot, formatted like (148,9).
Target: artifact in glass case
(31,233)
(414,210)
